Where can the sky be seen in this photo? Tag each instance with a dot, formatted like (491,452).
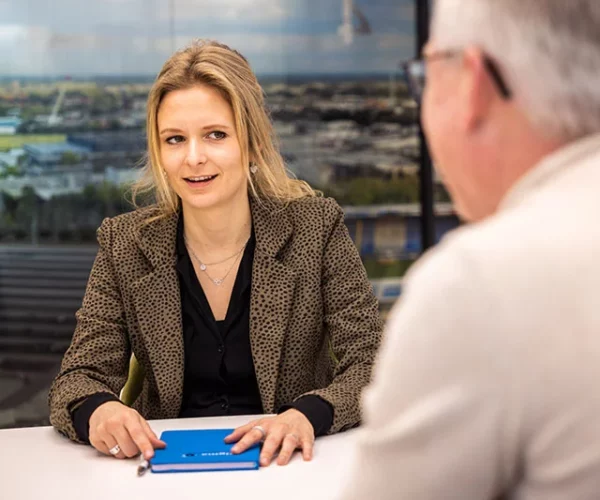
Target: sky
(120,37)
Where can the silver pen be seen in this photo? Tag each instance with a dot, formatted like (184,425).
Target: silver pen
(143,467)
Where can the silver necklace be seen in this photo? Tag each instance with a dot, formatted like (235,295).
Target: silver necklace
(203,266)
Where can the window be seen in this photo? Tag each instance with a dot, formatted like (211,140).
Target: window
(72,110)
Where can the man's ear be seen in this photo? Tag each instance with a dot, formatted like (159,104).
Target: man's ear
(477,91)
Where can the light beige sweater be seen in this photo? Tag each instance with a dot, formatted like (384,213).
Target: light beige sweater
(488,384)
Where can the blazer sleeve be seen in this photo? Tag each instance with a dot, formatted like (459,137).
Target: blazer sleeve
(98,357)
(352,321)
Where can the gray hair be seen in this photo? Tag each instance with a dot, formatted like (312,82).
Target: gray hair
(548,51)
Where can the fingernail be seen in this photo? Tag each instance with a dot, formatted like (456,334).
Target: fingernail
(235,449)
(148,455)
(264,462)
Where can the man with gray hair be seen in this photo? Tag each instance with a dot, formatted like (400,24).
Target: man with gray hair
(487,385)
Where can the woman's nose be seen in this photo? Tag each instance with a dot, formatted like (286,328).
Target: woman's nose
(196,153)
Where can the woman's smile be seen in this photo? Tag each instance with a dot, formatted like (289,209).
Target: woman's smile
(200,182)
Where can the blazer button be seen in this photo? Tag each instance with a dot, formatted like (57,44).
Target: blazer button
(221,349)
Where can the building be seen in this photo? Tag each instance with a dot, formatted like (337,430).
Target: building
(387,291)
(9,125)
(118,149)
(10,158)
(65,180)
(52,154)
(393,231)
(55,182)
(126,141)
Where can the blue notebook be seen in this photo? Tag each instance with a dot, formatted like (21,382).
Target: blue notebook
(201,450)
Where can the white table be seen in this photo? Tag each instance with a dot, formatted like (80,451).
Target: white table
(38,463)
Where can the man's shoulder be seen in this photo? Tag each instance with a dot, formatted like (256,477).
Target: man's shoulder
(510,238)
(473,264)
(516,263)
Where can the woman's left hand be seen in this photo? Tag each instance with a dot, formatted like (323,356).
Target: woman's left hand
(285,433)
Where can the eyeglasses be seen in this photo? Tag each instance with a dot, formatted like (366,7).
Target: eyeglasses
(415,72)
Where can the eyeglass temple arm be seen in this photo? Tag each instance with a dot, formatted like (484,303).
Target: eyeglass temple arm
(492,68)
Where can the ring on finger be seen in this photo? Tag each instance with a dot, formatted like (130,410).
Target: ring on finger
(262,430)
(115,450)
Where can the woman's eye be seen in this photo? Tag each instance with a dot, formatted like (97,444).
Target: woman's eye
(217,135)
(175,139)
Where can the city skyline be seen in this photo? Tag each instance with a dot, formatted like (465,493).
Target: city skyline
(121,37)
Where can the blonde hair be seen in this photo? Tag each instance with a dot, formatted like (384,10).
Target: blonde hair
(211,63)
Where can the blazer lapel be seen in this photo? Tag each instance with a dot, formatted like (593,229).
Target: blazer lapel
(271,297)
(157,302)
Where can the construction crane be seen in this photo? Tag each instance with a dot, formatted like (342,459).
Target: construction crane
(54,117)
(354,22)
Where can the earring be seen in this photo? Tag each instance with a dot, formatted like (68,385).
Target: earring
(253,167)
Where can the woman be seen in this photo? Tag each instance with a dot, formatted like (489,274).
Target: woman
(239,291)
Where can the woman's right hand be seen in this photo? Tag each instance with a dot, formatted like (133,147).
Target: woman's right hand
(114,423)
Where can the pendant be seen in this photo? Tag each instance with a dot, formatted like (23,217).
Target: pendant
(202,267)
(218,282)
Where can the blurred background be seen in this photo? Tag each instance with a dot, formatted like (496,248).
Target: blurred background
(74,77)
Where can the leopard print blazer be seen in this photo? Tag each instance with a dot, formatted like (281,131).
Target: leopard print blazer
(310,297)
